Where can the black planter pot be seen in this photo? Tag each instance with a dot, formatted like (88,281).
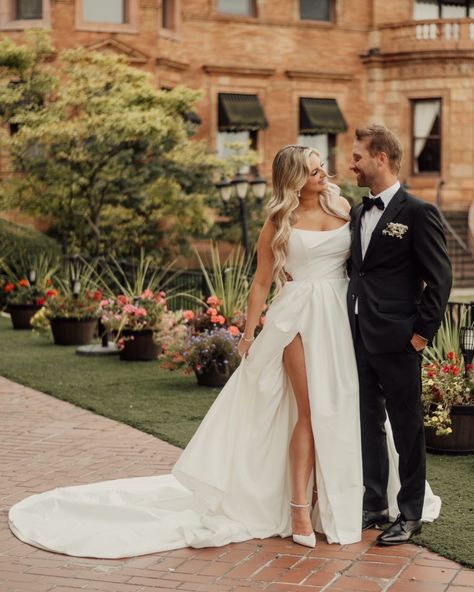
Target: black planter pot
(21,314)
(461,441)
(211,377)
(139,346)
(73,331)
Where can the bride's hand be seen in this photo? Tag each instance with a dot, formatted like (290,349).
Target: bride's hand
(244,346)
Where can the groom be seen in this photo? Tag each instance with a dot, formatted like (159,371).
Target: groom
(400,281)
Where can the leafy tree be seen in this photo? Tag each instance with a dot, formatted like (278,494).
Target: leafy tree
(100,152)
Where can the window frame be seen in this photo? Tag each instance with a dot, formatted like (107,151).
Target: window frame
(131,26)
(9,21)
(332,14)
(413,102)
(440,5)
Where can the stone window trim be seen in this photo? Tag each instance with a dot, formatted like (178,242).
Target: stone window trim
(9,22)
(437,137)
(172,32)
(131,26)
(469,5)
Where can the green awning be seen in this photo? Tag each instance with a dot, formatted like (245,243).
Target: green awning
(239,113)
(321,116)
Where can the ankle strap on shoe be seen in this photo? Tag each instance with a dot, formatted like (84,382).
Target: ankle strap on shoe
(299,505)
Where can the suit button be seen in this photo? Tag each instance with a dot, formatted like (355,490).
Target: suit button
(361,274)
(353,296)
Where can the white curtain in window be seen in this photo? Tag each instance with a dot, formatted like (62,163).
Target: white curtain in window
(104,11)
(226,138)
(453,9)
(424,118)
(243,7)
(318,141)
(425,10)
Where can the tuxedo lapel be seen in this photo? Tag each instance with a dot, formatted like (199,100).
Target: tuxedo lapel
(389,214)
(356,243)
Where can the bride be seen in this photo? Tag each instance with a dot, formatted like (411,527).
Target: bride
(279,451)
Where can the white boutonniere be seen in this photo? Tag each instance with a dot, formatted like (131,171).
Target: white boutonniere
(395,230)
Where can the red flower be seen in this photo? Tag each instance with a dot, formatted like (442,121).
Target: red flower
(97,296)
(469,367)
(40,301)
(24,283)
(49,282)
(51,293)
(451,355)
(9,288)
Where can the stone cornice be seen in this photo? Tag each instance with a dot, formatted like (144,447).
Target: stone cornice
(133,55)
(412,57)
(172,64)
(239,71)
(312,75)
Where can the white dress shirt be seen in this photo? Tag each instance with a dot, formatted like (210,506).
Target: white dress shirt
(370,219)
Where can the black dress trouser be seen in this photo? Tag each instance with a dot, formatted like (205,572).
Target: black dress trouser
(391,383)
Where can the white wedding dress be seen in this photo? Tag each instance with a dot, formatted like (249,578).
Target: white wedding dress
(232,481)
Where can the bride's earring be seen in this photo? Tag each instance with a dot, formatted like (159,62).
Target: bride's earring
(298,193)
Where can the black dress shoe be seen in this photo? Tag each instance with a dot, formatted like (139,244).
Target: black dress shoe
(371,519)
(401,531)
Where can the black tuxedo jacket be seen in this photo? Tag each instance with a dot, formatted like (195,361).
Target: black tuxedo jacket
(402,285)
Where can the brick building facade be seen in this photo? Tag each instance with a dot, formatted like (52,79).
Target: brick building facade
(282,71)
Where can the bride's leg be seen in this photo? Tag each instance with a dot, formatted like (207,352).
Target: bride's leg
(302,442)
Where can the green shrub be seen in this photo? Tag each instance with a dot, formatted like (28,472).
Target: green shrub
(16,240)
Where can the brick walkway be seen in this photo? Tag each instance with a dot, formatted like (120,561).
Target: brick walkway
(46,443)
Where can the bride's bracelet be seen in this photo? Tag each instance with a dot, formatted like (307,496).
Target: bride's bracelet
(247,340)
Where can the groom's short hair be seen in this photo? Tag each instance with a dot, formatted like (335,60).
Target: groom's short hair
(381,139)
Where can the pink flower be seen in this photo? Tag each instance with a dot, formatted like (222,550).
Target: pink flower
(188,315)
(140,312)
(104,303)
(121,299)
(214,319)
(212,312)
(147,294)
(128,309)
(213,301)
(233,330)
(163,294)
(220,320)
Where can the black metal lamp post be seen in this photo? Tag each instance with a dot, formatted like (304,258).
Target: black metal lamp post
(466,341)
(240,184)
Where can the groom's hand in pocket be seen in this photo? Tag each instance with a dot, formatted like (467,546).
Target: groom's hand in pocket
(418,342)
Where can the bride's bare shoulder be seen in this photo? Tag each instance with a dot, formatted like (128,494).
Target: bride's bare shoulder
(343,203)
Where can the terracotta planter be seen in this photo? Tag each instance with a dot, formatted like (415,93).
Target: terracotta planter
(139,346)
(73,331)
(21,314)
(211,377)
(461,441)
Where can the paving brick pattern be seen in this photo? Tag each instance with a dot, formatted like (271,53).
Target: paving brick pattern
(46,443)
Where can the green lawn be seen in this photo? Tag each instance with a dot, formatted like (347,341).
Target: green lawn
(171,406)
(165,404)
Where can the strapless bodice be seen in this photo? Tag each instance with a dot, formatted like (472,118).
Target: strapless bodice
(315,255)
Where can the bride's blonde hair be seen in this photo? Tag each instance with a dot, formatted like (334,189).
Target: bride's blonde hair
(290,171)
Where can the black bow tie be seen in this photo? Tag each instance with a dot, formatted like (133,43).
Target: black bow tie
(370,203)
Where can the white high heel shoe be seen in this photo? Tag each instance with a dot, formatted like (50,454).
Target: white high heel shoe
(307,540)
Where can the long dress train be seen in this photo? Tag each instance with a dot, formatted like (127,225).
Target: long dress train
(232,481)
